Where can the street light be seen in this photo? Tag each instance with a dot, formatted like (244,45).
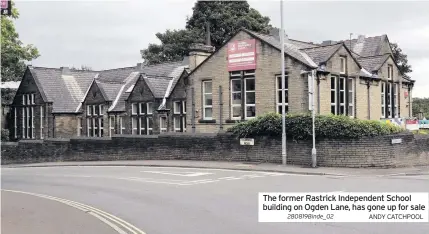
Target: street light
(282,45)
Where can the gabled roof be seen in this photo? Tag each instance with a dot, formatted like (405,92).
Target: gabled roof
(64,90)
(373,63)
(289,48)
(369,46)
(157,85)
(322,54)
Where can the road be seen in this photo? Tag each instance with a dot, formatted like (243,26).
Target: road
(156,200)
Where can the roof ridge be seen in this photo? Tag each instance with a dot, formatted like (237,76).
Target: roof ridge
(373,56)
(320,46)
(169,62)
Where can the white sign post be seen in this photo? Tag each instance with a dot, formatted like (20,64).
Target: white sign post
(247,142)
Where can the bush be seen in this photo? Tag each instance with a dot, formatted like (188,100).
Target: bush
(299,127)
(4,134)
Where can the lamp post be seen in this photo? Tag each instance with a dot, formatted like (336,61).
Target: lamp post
(282,43)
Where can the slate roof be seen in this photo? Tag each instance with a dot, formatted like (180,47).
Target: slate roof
(64,90)
(302,44)
(321,54)
(370,46)
(373,63)
(158,85)
(290,49)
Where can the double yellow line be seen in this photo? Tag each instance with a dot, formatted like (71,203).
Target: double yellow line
(118,224)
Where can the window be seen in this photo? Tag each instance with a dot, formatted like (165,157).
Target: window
(95,122)
(383,100)
(149,108)
(351,97)
(390,72)
(334,95)
(389,100)
(142,109)
(134,108)
(250,100)
(177,124)
(342,89)
(111,125)
(28,99)
(41,121)
(207,100)
(343,62)
(149,125)
(176,107)
(23,122)
(395,100)
(28,115)
(163,123)
(279,94)
(79,126)
(15,134)
(142,126)
(236,98)
(121,123)
(23,99)
(184,107)
(134,125)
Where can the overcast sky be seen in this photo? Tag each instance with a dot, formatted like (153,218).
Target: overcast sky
(110,34)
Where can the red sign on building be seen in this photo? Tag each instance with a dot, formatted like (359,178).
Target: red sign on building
(6,7)
(242,55)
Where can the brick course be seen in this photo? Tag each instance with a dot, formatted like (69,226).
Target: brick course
(365,152)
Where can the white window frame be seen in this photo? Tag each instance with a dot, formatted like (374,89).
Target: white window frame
(279,89)
(204,100)
(176,107)
(41,122)
(27,133)
(94,127)
(15,134)
(149,108)
(23,99)
(101,110)
(141,108)
(141,128)
(28,99)
(232,98)
(33,128)
(79,126)
(343,61)
(33,101)
(88,127)
(184,107)
(176,128)
(245,97)
(383,100)
(149,128)
(111,125)
(162,121)
(335,91)
(134,125)
(121,123)
(389,72)
(134,107)
(352,102)
(100,127)
(389,97)
(395,96)
(88,110)
(94,108)
(344,95)
(23,122)
(184,123)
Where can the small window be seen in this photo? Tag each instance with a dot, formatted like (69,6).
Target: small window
(28,99)
(15,123)
(122,126)
(279,95)
(142,109)
(176,107)
(79,126)
(149,125)
(163,123)
(250,98)
(351,97)
(33,101)
(134,125)
(41,121)
(184,107)
(343,64)
(149,108)
(134,108)
(95,110)
(142,124)
(207,100)
(177,124)
(88,110)
(101,109)
(390,72)
(89,127)
(112,125)
(236,98)
(23,99)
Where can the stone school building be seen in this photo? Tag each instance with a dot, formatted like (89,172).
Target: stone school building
(211,90)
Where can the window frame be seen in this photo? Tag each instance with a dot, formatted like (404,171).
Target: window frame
(335,94)
(176,128)
(383,99)
(134,125)
(149,111)
(89,131)
(111,125)
(176,110)
(343,64)
(161,122)
(389,72)
(204,100)
(134,108)
(232,92)
(351,103)
(15,125)
(245,97)
(121,123)
(278,90)
(342,90)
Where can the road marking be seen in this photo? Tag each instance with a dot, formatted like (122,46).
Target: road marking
(114,222)
(187,174)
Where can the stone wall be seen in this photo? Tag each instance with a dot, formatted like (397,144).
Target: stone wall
(366,152)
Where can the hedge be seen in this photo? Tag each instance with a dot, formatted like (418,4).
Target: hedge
(299,127)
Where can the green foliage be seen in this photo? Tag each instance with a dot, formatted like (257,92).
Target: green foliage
(4,135)
(401,59)
(299,127)
(7,96)
(421,105)
(224,18)
(14,53)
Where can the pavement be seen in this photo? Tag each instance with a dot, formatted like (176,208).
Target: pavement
(268,167)
(167,199)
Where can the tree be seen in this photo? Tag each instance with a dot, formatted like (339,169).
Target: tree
(82,68)
(401,59)
(224,18)
(421,105)
(14,53)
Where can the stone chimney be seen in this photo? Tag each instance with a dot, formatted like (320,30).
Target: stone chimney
(198,53)
(65,71)
(328,42)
